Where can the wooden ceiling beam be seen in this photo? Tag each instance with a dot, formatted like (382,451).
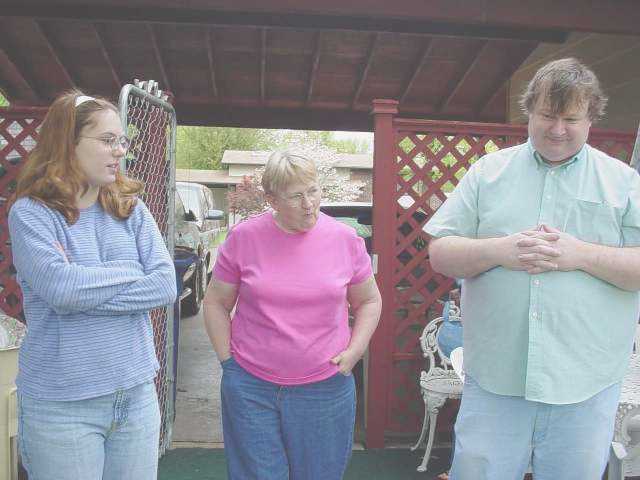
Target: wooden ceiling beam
(375,38)
(273,115)
(416,23)
(209,36)
(426,51)
(158,56)
(16,77)
(260,116)
(99,31)
(263,63)
(315,61)
(463,74)
(504,77)
(54,52)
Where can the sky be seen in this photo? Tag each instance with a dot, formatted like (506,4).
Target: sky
(359,136)
(354,135)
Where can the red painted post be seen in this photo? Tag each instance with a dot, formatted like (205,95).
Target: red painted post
(384,208)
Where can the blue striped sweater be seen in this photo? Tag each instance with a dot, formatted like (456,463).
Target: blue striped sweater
(89,332)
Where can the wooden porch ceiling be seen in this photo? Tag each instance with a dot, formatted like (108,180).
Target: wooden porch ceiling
(318,66)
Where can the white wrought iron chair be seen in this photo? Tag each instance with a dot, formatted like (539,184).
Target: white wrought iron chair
(439,383)
(624,459)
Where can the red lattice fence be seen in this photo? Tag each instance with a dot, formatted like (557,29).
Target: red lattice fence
(18,135)
(417,162)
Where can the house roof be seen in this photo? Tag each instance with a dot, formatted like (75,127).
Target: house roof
(208,177)
(343,160)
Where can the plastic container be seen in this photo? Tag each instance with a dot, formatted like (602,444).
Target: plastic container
(8,414)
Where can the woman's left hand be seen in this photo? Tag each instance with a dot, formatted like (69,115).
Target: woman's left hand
(346,360)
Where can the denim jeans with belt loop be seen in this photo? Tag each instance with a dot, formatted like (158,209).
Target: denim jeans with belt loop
(277,432)
(111,437)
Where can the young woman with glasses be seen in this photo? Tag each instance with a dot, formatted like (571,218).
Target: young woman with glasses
(91,263)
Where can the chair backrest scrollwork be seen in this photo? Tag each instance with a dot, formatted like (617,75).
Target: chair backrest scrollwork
(438,361)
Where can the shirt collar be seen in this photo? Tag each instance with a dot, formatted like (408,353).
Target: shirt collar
(582,153)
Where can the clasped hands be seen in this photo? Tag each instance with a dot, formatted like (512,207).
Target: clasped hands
(542,249)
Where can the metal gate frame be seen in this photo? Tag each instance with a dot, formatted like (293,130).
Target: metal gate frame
(153,144)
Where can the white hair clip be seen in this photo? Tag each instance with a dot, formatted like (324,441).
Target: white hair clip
(80,99)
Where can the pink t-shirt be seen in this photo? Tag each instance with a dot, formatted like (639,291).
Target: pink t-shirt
(292,312)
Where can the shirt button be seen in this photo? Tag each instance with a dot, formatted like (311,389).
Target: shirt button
(536,282)
(552,172)
(548,197)
(534,314)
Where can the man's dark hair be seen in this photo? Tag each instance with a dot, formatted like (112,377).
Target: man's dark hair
(565,83)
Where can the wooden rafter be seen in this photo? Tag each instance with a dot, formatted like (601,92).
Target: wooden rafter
(365,69)
(16,76)
(158,54)
(212,65)
(352,18)
(263,62)
(509,69)
(54,51)
(457,83)
(426,51)
(317,48)
(99,32)
(257,116)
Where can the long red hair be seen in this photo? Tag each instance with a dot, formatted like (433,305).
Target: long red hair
(51,174)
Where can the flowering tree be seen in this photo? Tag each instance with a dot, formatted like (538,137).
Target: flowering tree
(249,199)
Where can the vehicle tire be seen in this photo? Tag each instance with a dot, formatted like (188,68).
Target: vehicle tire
(192,304)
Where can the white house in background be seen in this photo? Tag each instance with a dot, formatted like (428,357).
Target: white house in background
(356,167)
(210,178)
(240,163)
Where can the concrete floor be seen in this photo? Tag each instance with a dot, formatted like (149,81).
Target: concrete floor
(197,421)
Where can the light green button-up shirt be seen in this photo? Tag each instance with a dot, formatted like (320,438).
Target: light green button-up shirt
(557,337)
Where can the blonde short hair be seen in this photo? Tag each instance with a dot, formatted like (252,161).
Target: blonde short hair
(284,168)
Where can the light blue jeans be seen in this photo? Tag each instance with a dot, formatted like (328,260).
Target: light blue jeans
(497,436)
(275,432)
(113,437)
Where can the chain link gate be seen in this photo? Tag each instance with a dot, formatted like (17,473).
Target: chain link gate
(150,122)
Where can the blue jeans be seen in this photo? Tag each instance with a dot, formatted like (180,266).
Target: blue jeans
(497,436)
(275,432)
(112,437)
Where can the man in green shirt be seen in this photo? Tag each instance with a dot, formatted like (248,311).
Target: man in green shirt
(546,236)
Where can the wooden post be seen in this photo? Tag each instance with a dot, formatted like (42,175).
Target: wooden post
(384,211)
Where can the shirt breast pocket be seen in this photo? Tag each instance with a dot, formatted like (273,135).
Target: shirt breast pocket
(595,221)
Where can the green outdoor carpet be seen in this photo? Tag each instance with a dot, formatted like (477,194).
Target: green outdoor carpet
(208,464)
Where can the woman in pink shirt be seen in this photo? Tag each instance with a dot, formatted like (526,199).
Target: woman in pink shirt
(288,395)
